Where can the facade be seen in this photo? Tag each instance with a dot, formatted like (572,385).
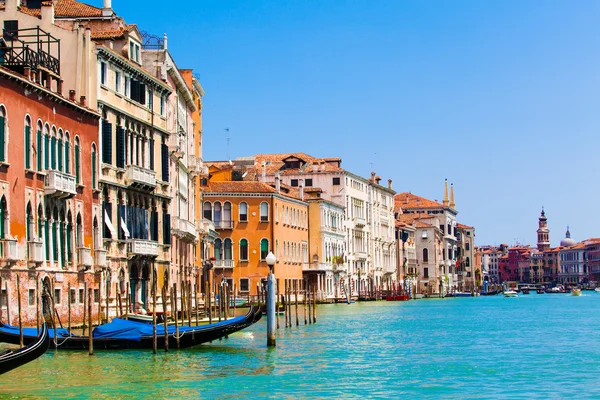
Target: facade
(469,277)
(592,249)
(573,264)
(407,252)
(49,208)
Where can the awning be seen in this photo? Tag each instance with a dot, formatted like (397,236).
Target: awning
(124,227)
(109,225)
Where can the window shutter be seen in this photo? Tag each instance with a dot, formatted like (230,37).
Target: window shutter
(107,210)
(152,153)
(142,99)
(27,147)
(94,178)
(46,151)
(135,90)
(154,225)
(40,150)
(166,228)
(120,212)
(120,147)
(60,155)
(77,166)
(106,142)
(165,162)
(67,151)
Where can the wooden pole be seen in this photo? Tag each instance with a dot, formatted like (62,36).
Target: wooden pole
(99,305)
(19,311)
(207,298)
(219,302)
(234,299)
(69,308)
(90,340)
(174,305)
(226,299)
(285,291)
(290,291)
(304,284)
(108,299)
(85,296)
(307,293)
(154,337)
(277,304)
(164,304)
(296,299)
(37,303)
(8,322)
(182,302)
(196,299)
(314,306)
(190,302)
(7,303)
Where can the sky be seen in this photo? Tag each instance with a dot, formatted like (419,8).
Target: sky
(499,97)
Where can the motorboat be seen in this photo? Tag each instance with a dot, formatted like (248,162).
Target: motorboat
(462,294)
(510,293)
(597,289)
(576,292)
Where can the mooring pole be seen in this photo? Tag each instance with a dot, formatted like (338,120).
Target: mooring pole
(271,312)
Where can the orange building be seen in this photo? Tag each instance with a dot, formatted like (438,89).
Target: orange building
(253,218)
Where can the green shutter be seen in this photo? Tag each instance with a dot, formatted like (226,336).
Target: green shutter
(47,229)
(2,147)
(40,150)
(46,152)
(67,169)
(61,236)
(264,245)
(2,214)
(28,147)
(53,152)
(60,155)
(69,227)
(77,164)
(94,169)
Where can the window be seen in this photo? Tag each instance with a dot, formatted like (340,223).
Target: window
(207,211)
(94,169)
(77,161)
(243,250)
(32,297)
(103,72)
(127,90)
(336,181)
(264,212)
(56,296)
(39,146)
(27,134)
(467,246)
(217,213)
(425,255)
(308,182)
(425,272)
(294,182)
(218,249)
(72,297)
(227,213)
(264,248)
(3,132)
(228,246)
(117,82)
(243,212)
(162,105)
(81,294)
(96,296)
(134,51)
(244,284)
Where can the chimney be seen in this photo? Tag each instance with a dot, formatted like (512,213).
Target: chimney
(301,189)
(164,41)
(72,95)
(107,9)
(264,172)
(47,12)
(277,183)
(452,203)
(372,177)
(82,101)
(11,4)
(446,202)
(390,184)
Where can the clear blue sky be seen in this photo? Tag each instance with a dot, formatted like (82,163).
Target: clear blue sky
(500,97)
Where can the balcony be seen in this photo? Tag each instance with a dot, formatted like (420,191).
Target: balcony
(141,247)
(140,178)
(317,267)
(360,221)
(84,258)
(360,255)
(225,264)
(59,184)
(100,258)
(183,228)
(8,250)
(223,224)
(36,252)
(204,226)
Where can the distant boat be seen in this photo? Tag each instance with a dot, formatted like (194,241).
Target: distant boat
(418,295)
(576,292)
(597,289)
(462,294)
(525,290)
(510,293)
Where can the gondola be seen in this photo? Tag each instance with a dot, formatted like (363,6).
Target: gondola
(11,359)
(124,334)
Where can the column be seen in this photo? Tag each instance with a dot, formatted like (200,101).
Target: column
(50,241)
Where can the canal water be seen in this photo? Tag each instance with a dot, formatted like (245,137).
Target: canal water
(486,347)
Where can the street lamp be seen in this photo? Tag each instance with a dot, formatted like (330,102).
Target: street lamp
(271,259)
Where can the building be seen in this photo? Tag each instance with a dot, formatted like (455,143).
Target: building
(592,249)
(407,253)
(573,261)
(469,277)
(49,203)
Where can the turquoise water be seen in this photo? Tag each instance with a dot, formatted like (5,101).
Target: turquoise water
(487,347)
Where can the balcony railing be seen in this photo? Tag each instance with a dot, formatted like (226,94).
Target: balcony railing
(360,221)
(361,255)
(223,264)
(140,177)
(140,247)
(8,249)
(84,258)
(59,184)
(223,224)
(100,258)
(183,228)
(36,252)
(204,225)
(317,267)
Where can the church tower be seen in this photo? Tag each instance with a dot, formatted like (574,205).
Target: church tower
(543,233)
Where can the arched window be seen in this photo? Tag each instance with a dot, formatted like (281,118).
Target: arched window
(46,147)
(94,169)
(60,151)
(207,211)
(217,213)
(79,232)
(227,212)
(30,223)
(3,134)
(67,153)
(228,246)
(468,262)
(77,161)
(243,211)
(69,239)
(218,249)
(3,218)
(264,248)
(264,212)
(27,138)
(425,255)
(243,250)
(53,148)
(39,147)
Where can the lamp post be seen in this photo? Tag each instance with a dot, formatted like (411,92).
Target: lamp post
(271,259)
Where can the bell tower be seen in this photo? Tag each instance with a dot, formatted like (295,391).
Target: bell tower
(543,233)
